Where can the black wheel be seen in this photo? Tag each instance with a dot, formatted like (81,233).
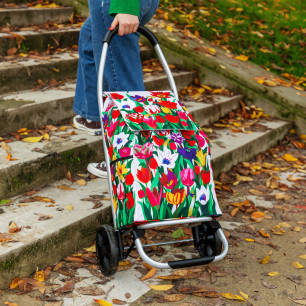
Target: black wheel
(107,250)
(206,240)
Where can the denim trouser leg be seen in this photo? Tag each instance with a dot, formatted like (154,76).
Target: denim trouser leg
(123,69)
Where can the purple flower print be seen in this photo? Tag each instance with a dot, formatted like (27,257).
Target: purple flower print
(177,137)
(188,153)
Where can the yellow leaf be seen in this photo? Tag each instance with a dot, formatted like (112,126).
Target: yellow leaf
(103,303)
(81,182)
(284,224)
(289,157)
(22,130)
(249,239)
(242,58)
(270,83)
(14,283)
(196,33)
(56,70)
(169,28)
(264,234)
(91,249)
(282,196)
(244,295)
(257,216)
(297,265)
(69,207)
(297,229)
(47,136)
(150,274)
(174,297)
(234,211)
(58,266)
(124,263)
(201,89)
(303,136)
(255,192)
(6,147)
(161,287)
(273,273)
(40,276)
(33,139)
(231,296)
(265,260)
(303,256)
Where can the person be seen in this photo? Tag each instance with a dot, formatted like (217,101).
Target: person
(123,70)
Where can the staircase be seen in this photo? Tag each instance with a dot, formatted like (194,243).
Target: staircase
(37,91)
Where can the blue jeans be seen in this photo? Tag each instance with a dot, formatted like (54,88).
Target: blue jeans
(123,69)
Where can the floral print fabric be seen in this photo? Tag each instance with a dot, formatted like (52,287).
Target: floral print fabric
(160,169)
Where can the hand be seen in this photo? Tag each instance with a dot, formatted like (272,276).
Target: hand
(127,23)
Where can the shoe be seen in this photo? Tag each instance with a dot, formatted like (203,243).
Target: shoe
(98,169)
(91,127)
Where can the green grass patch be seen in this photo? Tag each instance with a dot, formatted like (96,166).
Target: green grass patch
(271,33)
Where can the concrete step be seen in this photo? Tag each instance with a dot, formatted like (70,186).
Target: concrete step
(38,164)
(33,109)
(21,17)
(26,72)
(40,40)
(40,243)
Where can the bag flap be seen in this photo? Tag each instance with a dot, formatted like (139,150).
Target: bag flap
(152,110)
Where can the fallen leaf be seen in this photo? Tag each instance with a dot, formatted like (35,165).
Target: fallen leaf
(32,139)
(161,287)
(10,304)
(282,196)
(249,240)
(244,295)
(91,249)
(265,260)
(81,182)
(242,58)
(150,274)
(174,297)
(169,277)
(297,228)
(13,228)
(234,211)
(289,157)
(300,302)
(257,216)
(69,207)
(65,289)
(273,273)
(90,290)
(284,224)
(302,240)
(297,265)
(231,296)
(303,256)
(103,303)
(118,302)
(264,234)
(267,285)
(178,233)
(6,147)
(40,276)
(65,187)
(255,192)
(14,283)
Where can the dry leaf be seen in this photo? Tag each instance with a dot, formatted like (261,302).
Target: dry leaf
(14,283)
(245,296)
(32,139)
(234,211)
(65,187)
(257,216)
(242,58)
(81,182)
(150,274)
(264,234)
(284,224)
(40,276)
(303,256)
(249,240)
(65,289)
(297,265)
(58,266)
(297,228)
(103,303)
(265,260)
(267,285)
(91,249)
(282,196)
(255,192)
(273,273)
(161,287)
(231,296)
(289,157)
(69,207)
(118,302)
(174,297)
(13,228)
(6,147)
(302,240)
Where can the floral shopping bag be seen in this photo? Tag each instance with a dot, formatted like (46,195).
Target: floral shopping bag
(160,159)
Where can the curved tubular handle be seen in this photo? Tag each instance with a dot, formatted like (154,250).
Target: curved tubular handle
(142,30)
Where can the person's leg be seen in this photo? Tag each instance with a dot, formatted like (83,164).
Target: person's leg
(86,87)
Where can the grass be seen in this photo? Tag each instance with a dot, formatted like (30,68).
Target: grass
(271,33)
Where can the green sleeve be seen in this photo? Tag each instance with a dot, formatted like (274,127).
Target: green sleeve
(131,7)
